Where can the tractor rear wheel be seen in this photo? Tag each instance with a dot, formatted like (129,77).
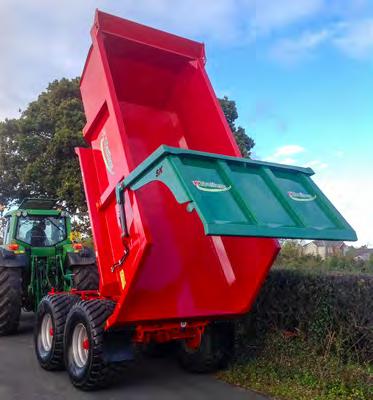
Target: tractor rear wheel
(84,346)
(10,299)
(214,352)
(49,330)
(85,277)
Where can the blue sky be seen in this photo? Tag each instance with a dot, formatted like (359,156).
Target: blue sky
(300,72)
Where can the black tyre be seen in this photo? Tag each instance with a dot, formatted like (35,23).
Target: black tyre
(84,346)
(10,299)
(49,330)
(85,277)
(214,352)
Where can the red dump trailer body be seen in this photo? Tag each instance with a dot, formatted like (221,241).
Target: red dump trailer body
(142,88)
(183,226)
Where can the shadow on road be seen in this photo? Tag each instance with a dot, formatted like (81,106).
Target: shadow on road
(27,324)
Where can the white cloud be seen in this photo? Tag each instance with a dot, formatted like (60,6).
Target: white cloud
(294,154)
(275,14)
(316,164)
(353,198)
(288,150)
(285,154)
(356,39)
(348,190)
(211,19)
(290,51)
(352,38)
(42,40)
(39,41)
(288,161)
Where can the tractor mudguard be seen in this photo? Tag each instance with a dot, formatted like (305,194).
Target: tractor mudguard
(85,257)
(8,259)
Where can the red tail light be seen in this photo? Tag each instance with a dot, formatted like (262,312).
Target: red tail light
(13,246)
(77,246)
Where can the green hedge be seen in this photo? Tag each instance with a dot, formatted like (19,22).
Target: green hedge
(332,311)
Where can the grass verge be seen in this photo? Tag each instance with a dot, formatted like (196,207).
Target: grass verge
(292,368)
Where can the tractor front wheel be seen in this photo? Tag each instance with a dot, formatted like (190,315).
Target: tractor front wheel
(213,353)
(49,330)
(10,299)
(84,346)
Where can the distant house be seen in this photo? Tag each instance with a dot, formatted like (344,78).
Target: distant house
(325,248)
(363,254)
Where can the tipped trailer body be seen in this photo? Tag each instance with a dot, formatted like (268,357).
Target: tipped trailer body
(184,228)
(142,88)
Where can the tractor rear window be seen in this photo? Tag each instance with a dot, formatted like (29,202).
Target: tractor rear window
(41,231)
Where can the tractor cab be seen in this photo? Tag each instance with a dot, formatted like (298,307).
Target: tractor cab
(36,223)
(41,230)
(37,249)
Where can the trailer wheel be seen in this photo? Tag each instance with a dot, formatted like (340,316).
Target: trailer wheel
(49,330)
(85,277)
(84,346)
(213,353)
(10,299)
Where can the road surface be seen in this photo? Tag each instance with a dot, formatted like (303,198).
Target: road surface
(21,378)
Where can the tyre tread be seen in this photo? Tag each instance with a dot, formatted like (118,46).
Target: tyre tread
(214,353)
(85,277)
(10,299)
(60,305)
(101,374)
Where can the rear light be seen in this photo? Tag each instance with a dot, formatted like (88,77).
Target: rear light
(13,246)
(77,246)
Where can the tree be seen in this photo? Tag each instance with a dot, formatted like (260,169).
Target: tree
(291,252)
(37,156)
(245,143)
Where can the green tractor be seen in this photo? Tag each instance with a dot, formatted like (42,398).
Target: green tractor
(37,256)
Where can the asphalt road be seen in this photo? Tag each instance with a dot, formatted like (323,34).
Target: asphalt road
(149,379)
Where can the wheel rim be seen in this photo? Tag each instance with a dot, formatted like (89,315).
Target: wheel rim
(46,333)
(80,345)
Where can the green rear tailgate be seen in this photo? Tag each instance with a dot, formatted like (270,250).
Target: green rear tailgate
(241,197)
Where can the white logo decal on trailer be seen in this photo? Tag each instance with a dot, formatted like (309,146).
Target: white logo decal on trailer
(106,153)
